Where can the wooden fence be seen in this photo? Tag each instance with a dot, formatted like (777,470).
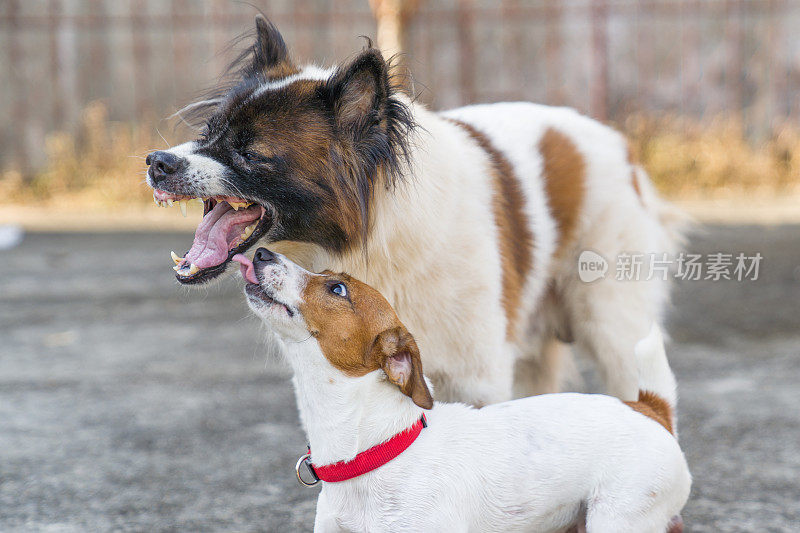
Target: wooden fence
(145,58)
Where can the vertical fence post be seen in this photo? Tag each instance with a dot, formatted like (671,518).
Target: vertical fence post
(92,86)
(140,56)
(301,25)
(466,50)
(512,60)
(599,85)
(180,47)
(219,24)
(53,18)
(552,52)
(690,43)
(734,74)
(392,17)
(777,72)
(19,111)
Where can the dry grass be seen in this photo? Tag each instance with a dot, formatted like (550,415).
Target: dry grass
(690,158)
(103,165)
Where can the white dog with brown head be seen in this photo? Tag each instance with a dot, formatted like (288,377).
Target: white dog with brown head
(555,462)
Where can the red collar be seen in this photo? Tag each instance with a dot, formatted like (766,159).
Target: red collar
(364,462)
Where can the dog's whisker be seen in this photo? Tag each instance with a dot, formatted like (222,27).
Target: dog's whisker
(163,139)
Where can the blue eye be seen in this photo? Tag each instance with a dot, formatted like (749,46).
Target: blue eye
(339,289)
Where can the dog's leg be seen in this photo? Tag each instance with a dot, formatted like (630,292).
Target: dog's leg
(482,382)
(608,516)
(610,341)
(545,371)
(325,519)
(608,317)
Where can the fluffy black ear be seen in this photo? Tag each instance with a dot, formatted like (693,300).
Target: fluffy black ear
(359,92)
(270,50)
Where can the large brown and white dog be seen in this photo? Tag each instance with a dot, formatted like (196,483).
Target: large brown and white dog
(469,221)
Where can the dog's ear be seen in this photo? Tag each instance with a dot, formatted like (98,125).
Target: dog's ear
(270,50)
(397,354)
(359,92)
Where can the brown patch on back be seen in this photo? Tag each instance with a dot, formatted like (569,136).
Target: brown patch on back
(514,233)
(653,406)
(564,172)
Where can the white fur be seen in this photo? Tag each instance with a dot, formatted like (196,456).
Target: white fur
(203,174)
(538,464)
(309,72)
(654,372)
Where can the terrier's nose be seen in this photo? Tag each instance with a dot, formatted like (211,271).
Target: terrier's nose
(162,165)
(263,255)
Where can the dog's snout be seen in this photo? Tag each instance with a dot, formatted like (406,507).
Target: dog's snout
(263,256)
(163,164)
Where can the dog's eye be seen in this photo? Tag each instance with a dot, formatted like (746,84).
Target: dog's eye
(250,157)
(339,289)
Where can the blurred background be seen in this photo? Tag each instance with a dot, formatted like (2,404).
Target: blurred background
(705,90)
(128,403)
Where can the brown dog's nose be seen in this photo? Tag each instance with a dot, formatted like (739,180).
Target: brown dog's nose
(162,165)
(263,255)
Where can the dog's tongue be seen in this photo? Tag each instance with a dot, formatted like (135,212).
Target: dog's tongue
(216,233)
(246,267)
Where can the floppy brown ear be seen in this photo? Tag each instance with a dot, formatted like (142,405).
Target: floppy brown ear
(397,353)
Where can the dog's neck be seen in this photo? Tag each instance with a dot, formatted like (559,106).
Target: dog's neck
(344,416)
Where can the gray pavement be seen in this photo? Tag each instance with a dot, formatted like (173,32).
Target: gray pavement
(128,403)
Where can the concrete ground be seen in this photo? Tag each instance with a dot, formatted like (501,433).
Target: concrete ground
(128,403)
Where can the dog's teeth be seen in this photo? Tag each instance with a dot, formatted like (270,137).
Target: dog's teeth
(238,205)
(169,203)
(193,269)
(176,258)
(182,204)
(156,199)
(249,230)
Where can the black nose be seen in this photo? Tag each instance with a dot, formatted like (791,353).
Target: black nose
(263,255)
(163,165)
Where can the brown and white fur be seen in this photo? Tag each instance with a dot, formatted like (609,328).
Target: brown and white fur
(553,462)
(469,221)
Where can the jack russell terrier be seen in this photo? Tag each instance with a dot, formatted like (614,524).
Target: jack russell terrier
(390,459)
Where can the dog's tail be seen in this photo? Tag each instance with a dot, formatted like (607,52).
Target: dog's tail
(658,393)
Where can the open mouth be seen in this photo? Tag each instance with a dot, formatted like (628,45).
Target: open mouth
(254,290)
(230,226)
(257,293)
